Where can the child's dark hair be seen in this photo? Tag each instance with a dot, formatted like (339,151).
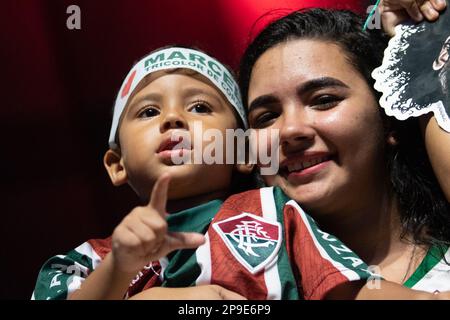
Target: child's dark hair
(425,213)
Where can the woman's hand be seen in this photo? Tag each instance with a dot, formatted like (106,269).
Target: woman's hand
(394,12)
(205,292)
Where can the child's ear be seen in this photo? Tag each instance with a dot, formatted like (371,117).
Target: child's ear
(113,164)
(245,168)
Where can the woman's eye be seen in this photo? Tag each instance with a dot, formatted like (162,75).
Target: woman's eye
(325,102)
(200,107)
(149,113)
(264,120)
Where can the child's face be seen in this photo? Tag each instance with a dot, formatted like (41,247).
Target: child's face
(167,103)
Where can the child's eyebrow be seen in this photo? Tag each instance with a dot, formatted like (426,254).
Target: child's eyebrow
(198,91)
(149,96)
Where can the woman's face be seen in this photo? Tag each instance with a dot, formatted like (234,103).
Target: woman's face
(331,132)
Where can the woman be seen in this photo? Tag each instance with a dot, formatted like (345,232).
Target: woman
(364,177)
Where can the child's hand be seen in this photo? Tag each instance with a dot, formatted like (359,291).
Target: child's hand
(394,12)
(142,235)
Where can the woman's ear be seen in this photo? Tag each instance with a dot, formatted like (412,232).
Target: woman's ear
(245,168)
(390,131)
(392,138)
(116,170)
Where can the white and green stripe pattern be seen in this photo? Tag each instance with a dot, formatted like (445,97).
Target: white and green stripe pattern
(189,267)
(203,257)
(433,274)
(271,274)
(63,274)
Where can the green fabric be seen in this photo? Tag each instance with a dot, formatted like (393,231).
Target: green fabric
(434,255)
(183,269)
(58,272)
(194,219)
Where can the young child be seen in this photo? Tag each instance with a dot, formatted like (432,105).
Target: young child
(255,240)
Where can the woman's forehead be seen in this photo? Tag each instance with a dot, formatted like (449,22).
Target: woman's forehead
(309,53)
(301,60)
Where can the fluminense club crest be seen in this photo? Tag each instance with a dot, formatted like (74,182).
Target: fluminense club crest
(253,240)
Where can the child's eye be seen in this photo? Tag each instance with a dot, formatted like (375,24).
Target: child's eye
(149,112)
(325,102)
(264,119)
(200,107)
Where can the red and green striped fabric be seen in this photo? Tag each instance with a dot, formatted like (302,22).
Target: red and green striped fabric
(259,243)
(307,265)
(62,274)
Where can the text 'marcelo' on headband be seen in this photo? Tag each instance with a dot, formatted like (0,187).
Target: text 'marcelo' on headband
(171,58)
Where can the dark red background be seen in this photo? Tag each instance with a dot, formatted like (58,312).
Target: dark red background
(57,90)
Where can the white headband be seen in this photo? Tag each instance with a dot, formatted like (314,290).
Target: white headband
(171,58)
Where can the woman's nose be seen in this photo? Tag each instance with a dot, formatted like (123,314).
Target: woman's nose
(296,130)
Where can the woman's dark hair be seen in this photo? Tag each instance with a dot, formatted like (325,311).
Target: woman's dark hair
(425,213)
(364,50)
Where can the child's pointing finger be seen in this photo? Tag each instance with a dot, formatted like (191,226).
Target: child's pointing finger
(158,198)
(184,240)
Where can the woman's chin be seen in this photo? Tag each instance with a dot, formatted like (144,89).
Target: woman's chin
(306,196)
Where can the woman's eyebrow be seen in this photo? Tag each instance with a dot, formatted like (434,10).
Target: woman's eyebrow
(320,83)
(309,85)
(262,101)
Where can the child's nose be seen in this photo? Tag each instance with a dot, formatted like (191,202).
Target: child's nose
(173,120)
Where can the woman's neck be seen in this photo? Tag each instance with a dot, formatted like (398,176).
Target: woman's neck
(371,230)
(189,202)
(375,234)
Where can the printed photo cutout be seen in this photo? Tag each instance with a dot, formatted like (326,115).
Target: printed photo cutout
(415,75)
